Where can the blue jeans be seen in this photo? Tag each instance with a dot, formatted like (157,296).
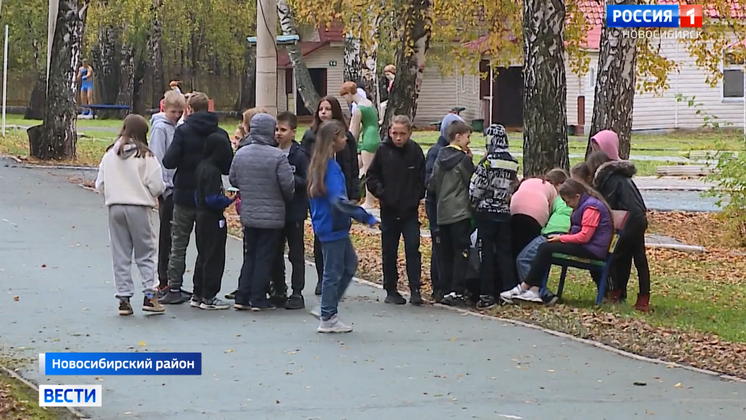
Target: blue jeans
(527,256)
(340,264)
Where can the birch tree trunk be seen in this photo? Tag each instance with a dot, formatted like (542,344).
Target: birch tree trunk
(544,87)
(369,62)
(155,54)
(352,66)
(57,136)
(615,84)
(410,60)
(302,77)
(126,76)
(105,65)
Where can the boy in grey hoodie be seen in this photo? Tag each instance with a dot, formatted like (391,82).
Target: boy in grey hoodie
(162,128)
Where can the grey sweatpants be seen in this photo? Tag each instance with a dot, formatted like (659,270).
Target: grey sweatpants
(131,230)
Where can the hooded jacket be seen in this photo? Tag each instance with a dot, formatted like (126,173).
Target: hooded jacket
(432,154)
(397,177)
(187,149)
(161,135)
(297,209)
(210,195)
(613,180)
(608,142)
(492,182)
(127,179)
(450,183)
(262,174)
(347,160)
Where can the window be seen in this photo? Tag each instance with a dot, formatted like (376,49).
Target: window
(732,76)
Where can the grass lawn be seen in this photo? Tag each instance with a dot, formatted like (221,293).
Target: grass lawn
(19,402)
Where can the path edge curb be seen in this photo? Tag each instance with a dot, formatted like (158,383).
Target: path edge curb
(13,374)
(559,334)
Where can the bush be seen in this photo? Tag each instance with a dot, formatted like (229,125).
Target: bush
(730,175)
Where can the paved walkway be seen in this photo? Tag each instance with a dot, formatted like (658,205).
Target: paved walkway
(400,363)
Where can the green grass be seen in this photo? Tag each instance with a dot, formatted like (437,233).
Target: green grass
(20,395)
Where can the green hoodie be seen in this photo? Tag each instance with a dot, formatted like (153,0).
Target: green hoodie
(450,183)
(559,220)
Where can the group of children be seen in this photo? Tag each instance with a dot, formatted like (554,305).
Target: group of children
(521,224)
(276,181)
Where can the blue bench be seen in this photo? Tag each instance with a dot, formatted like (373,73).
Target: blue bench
(102,107)
(565,261)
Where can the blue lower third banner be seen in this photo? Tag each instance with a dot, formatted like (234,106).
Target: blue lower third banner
(120,363)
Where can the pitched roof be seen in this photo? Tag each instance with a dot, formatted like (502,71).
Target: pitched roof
(334,33)
(306,48)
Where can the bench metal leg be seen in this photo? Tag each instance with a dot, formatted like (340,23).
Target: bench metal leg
(562,281)
(602,285)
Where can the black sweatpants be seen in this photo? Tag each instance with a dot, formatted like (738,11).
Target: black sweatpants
(211,233)
(292,233)
(393,227)
(435,260)
(524,229)
(166,214)
(631,246)
(260,251)
(318,258)
(497,268)
(455,244)
(543,260)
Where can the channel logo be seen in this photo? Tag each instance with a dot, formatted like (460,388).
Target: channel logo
(70,395)
(654,16)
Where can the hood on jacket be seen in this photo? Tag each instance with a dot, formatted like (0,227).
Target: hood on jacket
(262,129)
(447,120)
(160,119)
(608,142)
(128,150)
(450,156)
(203,122)
(623,168)
(498,142)
(245,141)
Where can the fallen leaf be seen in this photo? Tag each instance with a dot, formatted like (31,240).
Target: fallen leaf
(678,385)
(43,266)
(639,384)
(229,351)
(142,344)
(16,298)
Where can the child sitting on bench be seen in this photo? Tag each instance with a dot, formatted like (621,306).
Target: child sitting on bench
(590,234)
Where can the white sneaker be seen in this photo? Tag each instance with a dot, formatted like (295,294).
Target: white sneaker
(334,325)
(529,296)
(508,295)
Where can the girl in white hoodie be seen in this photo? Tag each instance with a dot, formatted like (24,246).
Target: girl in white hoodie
(130,179)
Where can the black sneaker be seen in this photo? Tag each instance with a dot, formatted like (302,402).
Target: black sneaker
(232,295)
(241,306)
(262,306)
(278,300)
(214,304)
(295,301)
(162,292)
(394,298)
(549,298)
(415,299)
(195,301)
(317,291)
(151,304)
(175,297)
(125,309)
(437,296)
(456,300)
(486,302)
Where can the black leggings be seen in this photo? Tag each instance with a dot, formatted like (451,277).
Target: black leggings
(631,246)
(543,260)
(523,229)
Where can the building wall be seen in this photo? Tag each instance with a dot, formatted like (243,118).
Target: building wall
(663,111)
(334,74)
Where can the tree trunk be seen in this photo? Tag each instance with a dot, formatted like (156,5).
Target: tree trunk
(141,69)
(58,137)
(615,84)
(247,98)
(368,62)
(544,87)
(302,77)
(410,63)
(352,66)
(105,66)
(36,103)
(155,54)
(127,76)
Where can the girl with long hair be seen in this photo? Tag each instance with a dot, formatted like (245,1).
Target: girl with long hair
(591,230)
(331,214)
(329,109)
(130,179)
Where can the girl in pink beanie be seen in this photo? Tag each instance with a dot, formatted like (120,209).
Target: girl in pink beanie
(606,141)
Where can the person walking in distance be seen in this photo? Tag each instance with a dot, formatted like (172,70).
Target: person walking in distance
(296,213)
(450,182)
(130,179)
(184,155)
(262,174)
(162,129)
(330,215)
(397,178)
(85,76)
(211,230)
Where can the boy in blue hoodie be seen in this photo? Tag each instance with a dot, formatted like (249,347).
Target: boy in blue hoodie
(162,128)
(296,212)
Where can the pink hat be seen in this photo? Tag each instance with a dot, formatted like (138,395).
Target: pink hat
(608,142)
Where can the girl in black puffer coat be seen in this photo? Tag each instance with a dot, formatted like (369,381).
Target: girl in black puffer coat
(613,179)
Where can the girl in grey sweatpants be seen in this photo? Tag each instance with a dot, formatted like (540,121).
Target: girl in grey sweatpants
(130,179)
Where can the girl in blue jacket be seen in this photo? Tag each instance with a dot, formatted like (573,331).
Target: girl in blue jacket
(331,213)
